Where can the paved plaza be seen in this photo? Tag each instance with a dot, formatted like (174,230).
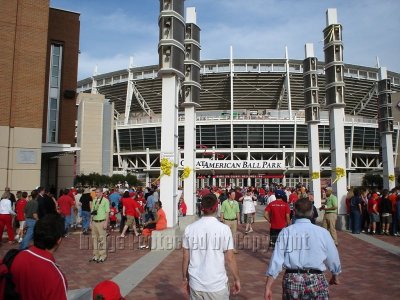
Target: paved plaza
(370,266)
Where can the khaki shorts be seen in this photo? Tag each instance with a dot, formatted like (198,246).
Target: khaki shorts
(130,220)
(220,295)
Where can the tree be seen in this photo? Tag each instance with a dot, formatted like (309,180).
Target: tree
(96,179)
(373,181)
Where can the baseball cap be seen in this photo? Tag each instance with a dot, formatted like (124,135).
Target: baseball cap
(279,194)
(108,290)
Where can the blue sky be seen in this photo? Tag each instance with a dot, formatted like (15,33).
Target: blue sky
(112,31)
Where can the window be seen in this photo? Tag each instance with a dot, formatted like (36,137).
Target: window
(239,68)
(53,101)
(279,67)
(265,68)
(224,68)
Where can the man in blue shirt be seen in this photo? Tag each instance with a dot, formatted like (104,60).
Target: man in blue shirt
(115,197)
(150,207)
(305,251)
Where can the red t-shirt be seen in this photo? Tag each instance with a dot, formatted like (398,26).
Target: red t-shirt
(278,210)
(130,207)
(293,197)
(183,207)
(371,203)
(19,209)
(65,203)
(141,203)
(36,276)
(113,214)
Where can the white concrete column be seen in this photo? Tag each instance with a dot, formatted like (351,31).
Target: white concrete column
(386,136)
(388,161)
(169,146)
(313,155)
(338,157)
(189,190)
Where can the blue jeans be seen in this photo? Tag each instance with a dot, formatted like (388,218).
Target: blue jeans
(85,220)
(355,216)
(67,222)
(30,224)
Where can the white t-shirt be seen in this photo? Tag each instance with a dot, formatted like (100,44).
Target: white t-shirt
(271,198)
(248,205)
(207,239)
(5,207)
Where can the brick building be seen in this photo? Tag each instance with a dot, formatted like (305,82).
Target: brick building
(38,74)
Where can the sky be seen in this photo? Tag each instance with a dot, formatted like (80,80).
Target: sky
(112,31)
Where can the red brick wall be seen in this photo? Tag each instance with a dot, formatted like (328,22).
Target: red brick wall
(64,29)
(23,35)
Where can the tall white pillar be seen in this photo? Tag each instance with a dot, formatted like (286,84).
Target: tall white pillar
(169,146)
(189,189)
(191,87)
(171,68)
(311,103)
(386,128)
(334,91)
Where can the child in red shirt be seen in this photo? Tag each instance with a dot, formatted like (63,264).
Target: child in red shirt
(113,216)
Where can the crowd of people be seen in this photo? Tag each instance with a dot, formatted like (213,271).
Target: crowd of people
(98,211)
(101,211)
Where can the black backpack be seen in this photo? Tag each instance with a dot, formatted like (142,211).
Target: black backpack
(7,286)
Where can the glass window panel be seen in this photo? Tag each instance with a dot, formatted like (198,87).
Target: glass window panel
(271,136)
(53,103)
(371,139)
(302,136)
(286,137)
(256,136)
(56,61)
(223,136)
(240,136)
(53,115)
(279,67)
(358,138)
(265,68)
(181,137)
(239,67)
(347,136)
(54,71)
(324,137)
(54,81)
(224,68)
(56,49)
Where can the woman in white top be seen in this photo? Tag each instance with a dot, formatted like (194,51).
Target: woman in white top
(6,214)
(248,210)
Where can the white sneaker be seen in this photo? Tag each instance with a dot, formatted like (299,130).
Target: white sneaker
(20,240)
(16,237)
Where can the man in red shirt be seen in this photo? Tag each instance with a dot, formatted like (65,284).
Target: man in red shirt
(65,203)
(34,272)
(19,209)
(277,214)
(130,209)
(373,212)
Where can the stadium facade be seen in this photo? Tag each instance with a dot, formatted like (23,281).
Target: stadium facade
(268,121)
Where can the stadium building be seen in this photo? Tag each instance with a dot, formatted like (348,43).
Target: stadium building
(268,121)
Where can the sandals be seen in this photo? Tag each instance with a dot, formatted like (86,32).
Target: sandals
(94,259)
